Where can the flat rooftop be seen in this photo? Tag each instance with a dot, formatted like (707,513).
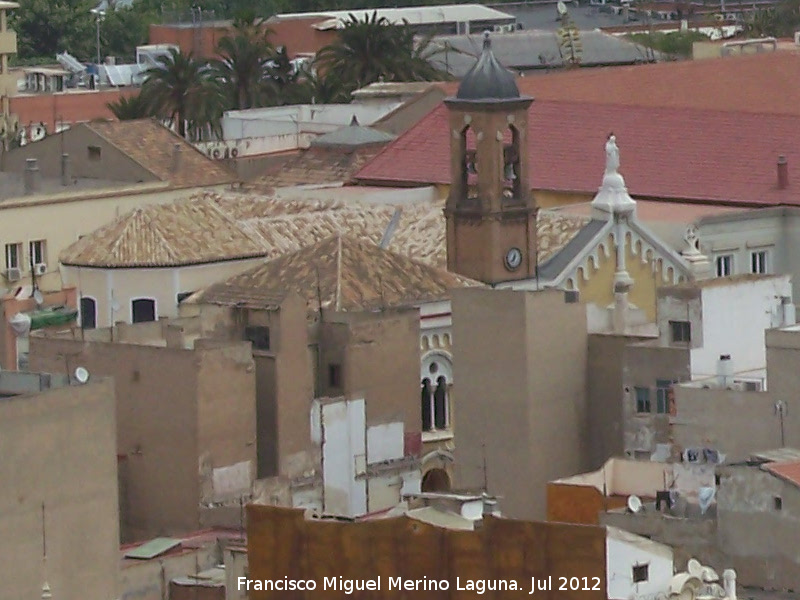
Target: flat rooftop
(20,383)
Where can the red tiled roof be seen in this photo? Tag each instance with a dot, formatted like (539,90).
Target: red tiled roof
(788,471)
(765,83)
(697,155)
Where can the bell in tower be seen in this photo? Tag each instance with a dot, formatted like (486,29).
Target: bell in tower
(490,212)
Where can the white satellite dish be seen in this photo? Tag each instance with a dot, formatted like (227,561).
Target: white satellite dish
(561,8)
(38,133)
(694,568)
(81,375)
(38,298)
(634,504)
(709,575)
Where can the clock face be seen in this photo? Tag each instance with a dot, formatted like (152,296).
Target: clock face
(513,259)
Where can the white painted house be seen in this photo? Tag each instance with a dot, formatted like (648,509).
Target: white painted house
(636,567)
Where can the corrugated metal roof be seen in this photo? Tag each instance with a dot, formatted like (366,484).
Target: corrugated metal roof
(153,548)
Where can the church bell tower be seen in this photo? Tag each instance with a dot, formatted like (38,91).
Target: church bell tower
(490,212)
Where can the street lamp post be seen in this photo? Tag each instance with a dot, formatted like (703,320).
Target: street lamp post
(99,14)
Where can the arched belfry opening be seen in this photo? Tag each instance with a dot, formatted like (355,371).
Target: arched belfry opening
(491,214)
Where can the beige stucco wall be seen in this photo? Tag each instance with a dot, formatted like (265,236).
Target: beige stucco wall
(520,375)
(169,417)
(58,447)
(163,285)
(783,379)
(60,219)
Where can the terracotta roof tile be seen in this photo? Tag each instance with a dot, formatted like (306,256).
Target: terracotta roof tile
(222,226)
(188,232)
(788,471)
(695,155)
(348,274)
(764,83)
(152,145)
(318,165)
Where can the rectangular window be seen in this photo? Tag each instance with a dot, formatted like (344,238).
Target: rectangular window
(642,400)
(724,265)
(13,256)
(758,262)
(778,503)
(663,387)
(335,376)
(94,152)
(681,331)
(640,573)
(258,336)
(38,252)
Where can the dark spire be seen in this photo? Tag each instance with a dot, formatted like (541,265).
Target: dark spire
(488,79)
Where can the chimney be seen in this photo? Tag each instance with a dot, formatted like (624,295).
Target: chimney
(31,177)
(724,369)
(176,158)
(65,174)
(783,173)
(729,578)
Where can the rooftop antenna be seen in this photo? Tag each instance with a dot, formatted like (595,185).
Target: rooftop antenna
(485,470)
(46,593)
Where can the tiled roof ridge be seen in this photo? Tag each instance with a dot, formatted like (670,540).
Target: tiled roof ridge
(251,234)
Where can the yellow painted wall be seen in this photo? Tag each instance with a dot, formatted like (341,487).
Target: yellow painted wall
(599,288)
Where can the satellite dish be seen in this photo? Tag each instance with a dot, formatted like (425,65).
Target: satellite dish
(38,133)
(37,296)
(81,375)
(561,8)
(634,504)
(709,575)
(694,568)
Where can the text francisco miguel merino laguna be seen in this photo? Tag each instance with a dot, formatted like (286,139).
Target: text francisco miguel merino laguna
(479,586)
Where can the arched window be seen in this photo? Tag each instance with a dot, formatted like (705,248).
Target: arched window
(436,480)
(440,416)
(88,312)
(143,310)
(511,164)
(426,402)
(467,177)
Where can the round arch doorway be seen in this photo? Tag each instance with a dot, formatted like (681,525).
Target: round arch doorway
(436,480)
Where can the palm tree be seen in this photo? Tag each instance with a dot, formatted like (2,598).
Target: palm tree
(185,92)
(318,88)
(374,49)
(129,107)
(246,54)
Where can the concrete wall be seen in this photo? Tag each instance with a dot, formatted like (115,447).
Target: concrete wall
(761,541)
(734,320)
(783,356)
(732,422)
(644,364)
(112,164)
(149,579)
(169,421)
(58,448)
(500,549)
(569,503)
(624,553)
(520,367)
(605,385)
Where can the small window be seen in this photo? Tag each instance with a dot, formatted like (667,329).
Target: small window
(335,376)
(38,252)
(663,389)
(13,256)
(641,573)
(143,310)
(88,313)
(258,336)
(681,331)
(724,265)
(94,152)
(758,262)
(642,400)
(777,502)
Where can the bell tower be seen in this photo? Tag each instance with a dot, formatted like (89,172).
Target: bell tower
(490,212)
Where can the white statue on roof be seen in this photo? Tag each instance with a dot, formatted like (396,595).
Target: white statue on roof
(612,155)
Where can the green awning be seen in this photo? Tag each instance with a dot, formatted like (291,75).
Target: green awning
(47,317)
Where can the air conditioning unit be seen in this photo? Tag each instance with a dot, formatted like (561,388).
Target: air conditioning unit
(13,274)
(40,268)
